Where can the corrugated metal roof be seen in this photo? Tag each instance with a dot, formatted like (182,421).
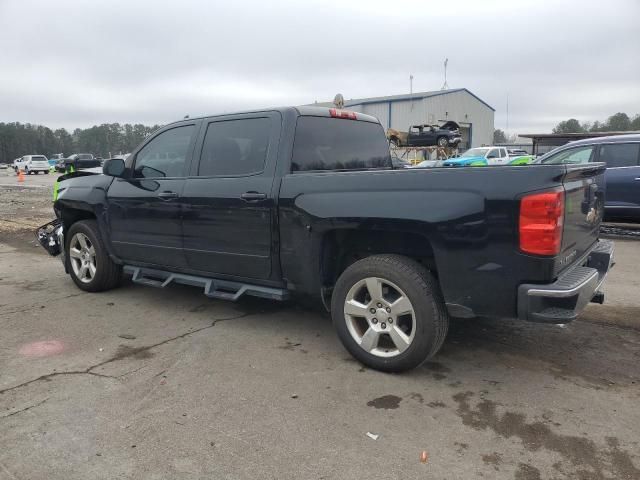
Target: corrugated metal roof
(409,96)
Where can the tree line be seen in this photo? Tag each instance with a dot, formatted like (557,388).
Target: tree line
(620,122)
(18,139)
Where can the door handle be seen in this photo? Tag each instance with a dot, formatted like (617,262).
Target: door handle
(253,196)
(167,195)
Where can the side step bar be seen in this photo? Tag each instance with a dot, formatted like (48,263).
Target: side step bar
(213,288)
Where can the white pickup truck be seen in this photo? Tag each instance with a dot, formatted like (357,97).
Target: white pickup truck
(485,155)
(32,164)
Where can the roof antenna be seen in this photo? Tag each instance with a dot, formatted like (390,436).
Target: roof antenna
(445,85)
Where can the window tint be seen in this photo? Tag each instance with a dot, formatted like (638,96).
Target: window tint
(574,155)
(165,155)
(235,147)
(323,143)
(620,155)
(494,153)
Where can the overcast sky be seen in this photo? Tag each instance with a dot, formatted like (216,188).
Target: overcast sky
(77,63)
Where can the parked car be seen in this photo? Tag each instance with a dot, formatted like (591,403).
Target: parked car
(32,164)
(523,160)
(78,161)
(465,162)
(621,154)
(516,152)
(398,162)
(447,135)
(482,156)
(428,164)
(53,159)
(304,202)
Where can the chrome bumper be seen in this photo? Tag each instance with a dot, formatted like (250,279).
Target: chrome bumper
(563,300)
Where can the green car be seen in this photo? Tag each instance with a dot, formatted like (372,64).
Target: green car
(523,160)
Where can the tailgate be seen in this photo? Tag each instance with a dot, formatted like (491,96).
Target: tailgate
(584,207)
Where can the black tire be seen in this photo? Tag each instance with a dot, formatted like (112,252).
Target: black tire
(443,142)
(46,172)
(108,274)
(422,290)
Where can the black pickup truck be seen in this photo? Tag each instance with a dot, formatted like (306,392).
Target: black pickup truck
(304,202)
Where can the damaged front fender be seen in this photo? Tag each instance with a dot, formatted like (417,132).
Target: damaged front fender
(51,237)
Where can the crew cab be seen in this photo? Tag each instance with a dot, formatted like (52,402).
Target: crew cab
(304,202)
(447,135)
(32,164)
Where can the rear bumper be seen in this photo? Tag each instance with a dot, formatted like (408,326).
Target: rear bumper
(563,300)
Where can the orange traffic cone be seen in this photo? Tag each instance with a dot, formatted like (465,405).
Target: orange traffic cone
(20,176)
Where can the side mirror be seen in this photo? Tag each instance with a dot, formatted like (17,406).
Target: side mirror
(114,167)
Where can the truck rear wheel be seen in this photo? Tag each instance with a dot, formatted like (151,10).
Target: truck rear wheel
(90,266)
(389,313)
(443,142)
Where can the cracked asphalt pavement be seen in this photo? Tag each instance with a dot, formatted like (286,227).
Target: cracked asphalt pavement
(145,383)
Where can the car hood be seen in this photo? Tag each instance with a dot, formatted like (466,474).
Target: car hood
(450,125)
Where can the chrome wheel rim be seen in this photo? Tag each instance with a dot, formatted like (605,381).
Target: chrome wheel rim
(380,317)
(82,255)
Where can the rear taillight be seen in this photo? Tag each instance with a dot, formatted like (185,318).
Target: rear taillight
(337,113)
(541,218)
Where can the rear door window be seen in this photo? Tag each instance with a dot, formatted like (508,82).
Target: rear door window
(323,143)
(574,156)
(620,154)
(235,147)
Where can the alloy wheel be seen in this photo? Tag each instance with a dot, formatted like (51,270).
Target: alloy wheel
(380,317)
(82,255)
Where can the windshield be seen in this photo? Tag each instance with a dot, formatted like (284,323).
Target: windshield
(85,156)
(475,152)
(36,158)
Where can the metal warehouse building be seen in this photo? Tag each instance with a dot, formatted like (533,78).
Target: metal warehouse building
(474,115)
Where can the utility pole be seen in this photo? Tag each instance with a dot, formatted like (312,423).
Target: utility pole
(445,85)
(507,114)
(411,90)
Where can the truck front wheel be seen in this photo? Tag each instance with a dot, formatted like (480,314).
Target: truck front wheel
(90,266)
(443,142)
(389,313)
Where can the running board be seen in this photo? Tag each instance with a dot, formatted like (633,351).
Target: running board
(213,288)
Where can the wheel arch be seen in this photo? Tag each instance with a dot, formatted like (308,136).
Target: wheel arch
(69,216)
(342,247)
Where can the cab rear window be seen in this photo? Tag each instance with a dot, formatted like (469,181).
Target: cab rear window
(323,143)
